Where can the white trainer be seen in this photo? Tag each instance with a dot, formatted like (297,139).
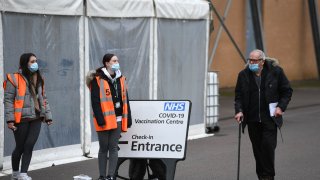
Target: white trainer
(24,176)
(14,175)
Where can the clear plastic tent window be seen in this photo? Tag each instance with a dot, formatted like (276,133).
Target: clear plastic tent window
(55,41)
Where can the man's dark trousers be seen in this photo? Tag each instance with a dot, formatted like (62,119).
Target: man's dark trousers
(263,136)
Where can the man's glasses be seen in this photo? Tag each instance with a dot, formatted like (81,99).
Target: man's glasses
(254,61)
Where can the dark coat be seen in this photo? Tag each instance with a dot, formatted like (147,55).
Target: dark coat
(95,96)
(276,85)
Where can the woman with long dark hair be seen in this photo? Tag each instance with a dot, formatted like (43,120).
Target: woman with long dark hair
(26,106)
(110,105)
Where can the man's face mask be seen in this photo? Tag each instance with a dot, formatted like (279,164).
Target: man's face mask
(254,67)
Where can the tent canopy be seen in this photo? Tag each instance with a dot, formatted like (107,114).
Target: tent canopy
(182,9)
(120,8)
(176,9)
(57,7)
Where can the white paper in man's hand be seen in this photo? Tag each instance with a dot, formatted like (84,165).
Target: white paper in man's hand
(272,108)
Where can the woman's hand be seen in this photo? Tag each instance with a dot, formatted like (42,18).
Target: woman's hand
(48,122)
(12,126)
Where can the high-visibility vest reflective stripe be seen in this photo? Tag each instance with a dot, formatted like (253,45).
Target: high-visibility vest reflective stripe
(20,84)
(107,106)
(4,84)
(125,105)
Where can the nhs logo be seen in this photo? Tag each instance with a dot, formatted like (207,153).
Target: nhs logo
(174,106)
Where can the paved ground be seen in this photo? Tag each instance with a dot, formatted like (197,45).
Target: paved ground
(215,158)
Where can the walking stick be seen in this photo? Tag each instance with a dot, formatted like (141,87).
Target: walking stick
(239,142)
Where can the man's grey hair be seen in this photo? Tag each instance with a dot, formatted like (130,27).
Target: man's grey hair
(261,54)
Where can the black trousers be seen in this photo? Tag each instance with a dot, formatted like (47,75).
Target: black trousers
(26,137)
(263,136)
(138,167)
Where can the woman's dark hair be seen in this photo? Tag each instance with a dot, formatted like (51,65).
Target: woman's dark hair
(24,60)
(106,58)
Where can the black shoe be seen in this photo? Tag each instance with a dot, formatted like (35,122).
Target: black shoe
(266,178)
(109,178)
(101,178)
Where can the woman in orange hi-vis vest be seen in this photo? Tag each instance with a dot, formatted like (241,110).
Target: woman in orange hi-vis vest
(111,111)
(26,106)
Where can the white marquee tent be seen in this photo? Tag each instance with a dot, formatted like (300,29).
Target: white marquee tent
(162,46)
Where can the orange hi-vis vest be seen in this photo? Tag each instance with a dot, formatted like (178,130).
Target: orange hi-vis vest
(20,84)
(107,106)
(18,81)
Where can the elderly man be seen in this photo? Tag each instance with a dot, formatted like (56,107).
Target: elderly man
(262,94)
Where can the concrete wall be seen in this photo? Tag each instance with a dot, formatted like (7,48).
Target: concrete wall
(288,37)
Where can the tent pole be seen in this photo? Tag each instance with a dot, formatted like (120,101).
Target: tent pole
(257,28)
(229,35)
(1,96)
(313,10)
(215,46)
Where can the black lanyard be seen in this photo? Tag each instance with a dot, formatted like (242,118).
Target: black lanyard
(115,85)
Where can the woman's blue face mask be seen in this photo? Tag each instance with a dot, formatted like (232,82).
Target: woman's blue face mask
(115,67)
(34,67)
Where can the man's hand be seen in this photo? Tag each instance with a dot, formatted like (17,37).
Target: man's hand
(238,117)
(11,126)
(278,112)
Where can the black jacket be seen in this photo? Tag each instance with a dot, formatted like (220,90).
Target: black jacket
(95,99)
(276,89)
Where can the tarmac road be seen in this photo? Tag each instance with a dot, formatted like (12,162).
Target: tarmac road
(215,157)
(297,158)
